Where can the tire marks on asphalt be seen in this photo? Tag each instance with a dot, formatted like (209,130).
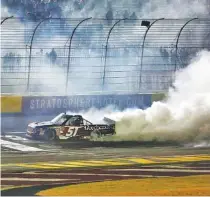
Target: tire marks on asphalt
(76,176)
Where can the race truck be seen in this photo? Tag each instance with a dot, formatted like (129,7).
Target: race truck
(65,126)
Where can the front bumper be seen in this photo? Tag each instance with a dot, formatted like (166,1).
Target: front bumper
(32,134)
(29,135)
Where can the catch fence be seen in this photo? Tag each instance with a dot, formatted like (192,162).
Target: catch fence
(62,56)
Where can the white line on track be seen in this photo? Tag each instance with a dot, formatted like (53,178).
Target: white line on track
(15,132)
(35,179)
(160,170)
(15,137)
(93,174)
(17,146)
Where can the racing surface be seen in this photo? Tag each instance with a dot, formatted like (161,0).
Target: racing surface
(85,149)
(32,166)
(36,181)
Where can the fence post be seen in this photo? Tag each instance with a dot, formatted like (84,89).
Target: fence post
(142,50)
(69,54)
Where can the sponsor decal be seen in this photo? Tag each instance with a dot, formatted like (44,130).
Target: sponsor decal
(59,104)
(96,127)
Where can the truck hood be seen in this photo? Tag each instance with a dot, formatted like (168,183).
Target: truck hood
(40,124)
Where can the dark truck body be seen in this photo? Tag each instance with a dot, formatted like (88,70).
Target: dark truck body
(66,127)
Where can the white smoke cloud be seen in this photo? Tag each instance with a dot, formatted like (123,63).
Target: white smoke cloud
(175,9)
(143,9)
(183,116)
(4,12)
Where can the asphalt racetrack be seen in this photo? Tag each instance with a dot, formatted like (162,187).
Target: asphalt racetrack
(32,167)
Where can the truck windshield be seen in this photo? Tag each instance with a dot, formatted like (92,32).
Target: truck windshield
(75,121)
(59,119)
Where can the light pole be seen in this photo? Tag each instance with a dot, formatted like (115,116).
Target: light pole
(177,41)
(69,53)
(6,19)
(30,52)
(106,48)
(148,25)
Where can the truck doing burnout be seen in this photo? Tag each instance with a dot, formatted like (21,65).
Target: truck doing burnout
(66,126)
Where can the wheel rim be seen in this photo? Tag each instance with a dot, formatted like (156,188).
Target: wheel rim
(51,135)
(94,135)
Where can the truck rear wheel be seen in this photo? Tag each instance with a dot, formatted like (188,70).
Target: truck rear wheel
(95,135)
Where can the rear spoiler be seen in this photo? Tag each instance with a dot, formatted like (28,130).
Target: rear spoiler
(109,120)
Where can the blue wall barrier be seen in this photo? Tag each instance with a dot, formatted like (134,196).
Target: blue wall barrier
(53,105)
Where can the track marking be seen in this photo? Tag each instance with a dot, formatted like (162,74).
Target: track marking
(14,132)
(60,165)
(6,187)
(36,166)
(31,179)
(42,154)
(68,164)
(15,137)
(180,159)
(9,164)
(17,146)
(161,170)
(108,162)
(204,157)
(141,161)
(185,167)
(86,174)
(98,163)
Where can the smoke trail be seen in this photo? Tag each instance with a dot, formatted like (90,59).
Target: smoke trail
(184,116)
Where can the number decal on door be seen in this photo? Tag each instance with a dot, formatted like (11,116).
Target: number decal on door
(72,131)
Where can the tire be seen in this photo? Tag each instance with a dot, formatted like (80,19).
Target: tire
(50,135)
(94,135)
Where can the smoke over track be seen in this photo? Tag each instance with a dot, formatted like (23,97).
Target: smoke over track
(184,116)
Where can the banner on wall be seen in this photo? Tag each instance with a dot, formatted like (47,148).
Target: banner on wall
(57,104)
(11,104)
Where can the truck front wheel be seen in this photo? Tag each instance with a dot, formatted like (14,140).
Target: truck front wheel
(50,135)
